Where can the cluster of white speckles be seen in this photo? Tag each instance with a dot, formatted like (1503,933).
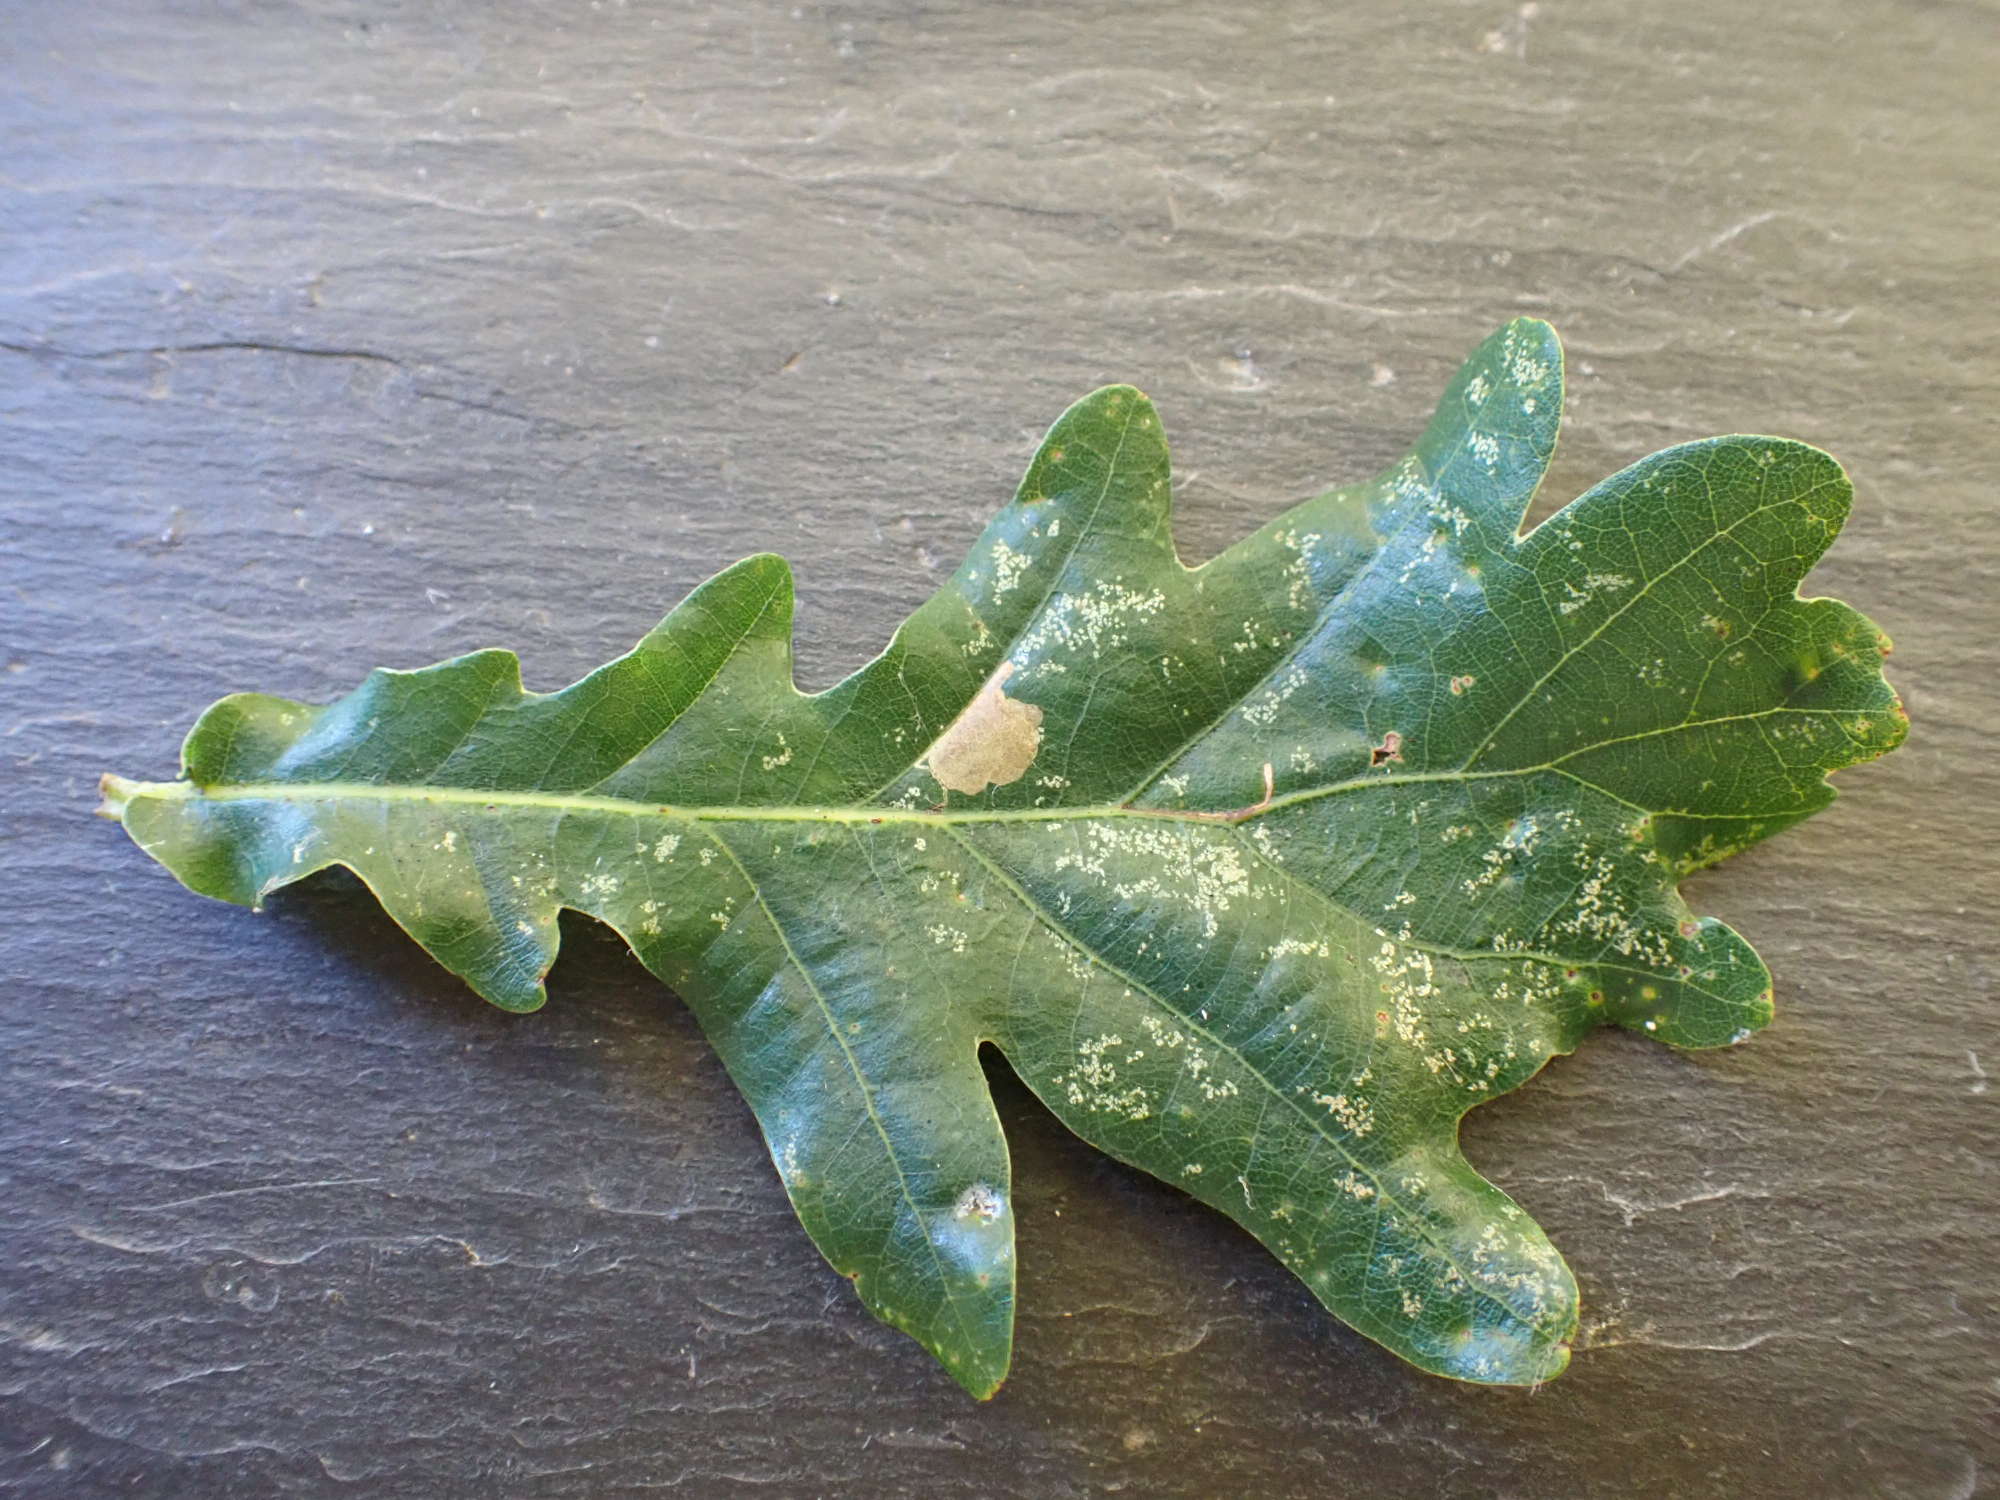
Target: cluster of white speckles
(1519,842)
(1580,595)
(1599,913)
(1194,1060)
(1290,947)
(1351,1184)
(1008,566)
(1298,572)
(982,638)
(599,885)
(1532,984)
(1447,514)
(1465,1067)
(1409,483)
(1355,1112)
(1080,624)
(1408,978)
(1497,1251)
(1093,1083)
(1202,872)
(1496,864)
(933,881)
(946,937)
(782,758)
(1418,558)
(1265,709)
(1249,640)
(544,879)
(1213,1091)
(1523,368)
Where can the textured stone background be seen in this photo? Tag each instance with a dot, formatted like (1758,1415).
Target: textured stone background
(343,333)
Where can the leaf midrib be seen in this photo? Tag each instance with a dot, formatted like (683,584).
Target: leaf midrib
(877,813)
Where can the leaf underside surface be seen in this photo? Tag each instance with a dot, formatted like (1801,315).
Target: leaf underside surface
(1260,874)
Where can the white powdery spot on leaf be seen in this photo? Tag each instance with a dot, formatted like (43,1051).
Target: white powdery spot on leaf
(1008,566)
(1093,1083)
(946,937)
(981,1203)
(1087,624)
(1580,595)
(1355,1112)
(1298,572)
(1409,982)
(1203,874)
(1265,709)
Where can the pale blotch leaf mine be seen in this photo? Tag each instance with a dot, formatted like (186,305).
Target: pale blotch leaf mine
(992,743)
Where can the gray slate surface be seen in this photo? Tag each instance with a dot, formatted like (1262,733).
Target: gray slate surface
(343,333)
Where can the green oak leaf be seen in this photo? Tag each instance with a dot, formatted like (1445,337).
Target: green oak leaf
(1260,874)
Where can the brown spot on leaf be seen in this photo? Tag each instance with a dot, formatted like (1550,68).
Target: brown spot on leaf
(992,743)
